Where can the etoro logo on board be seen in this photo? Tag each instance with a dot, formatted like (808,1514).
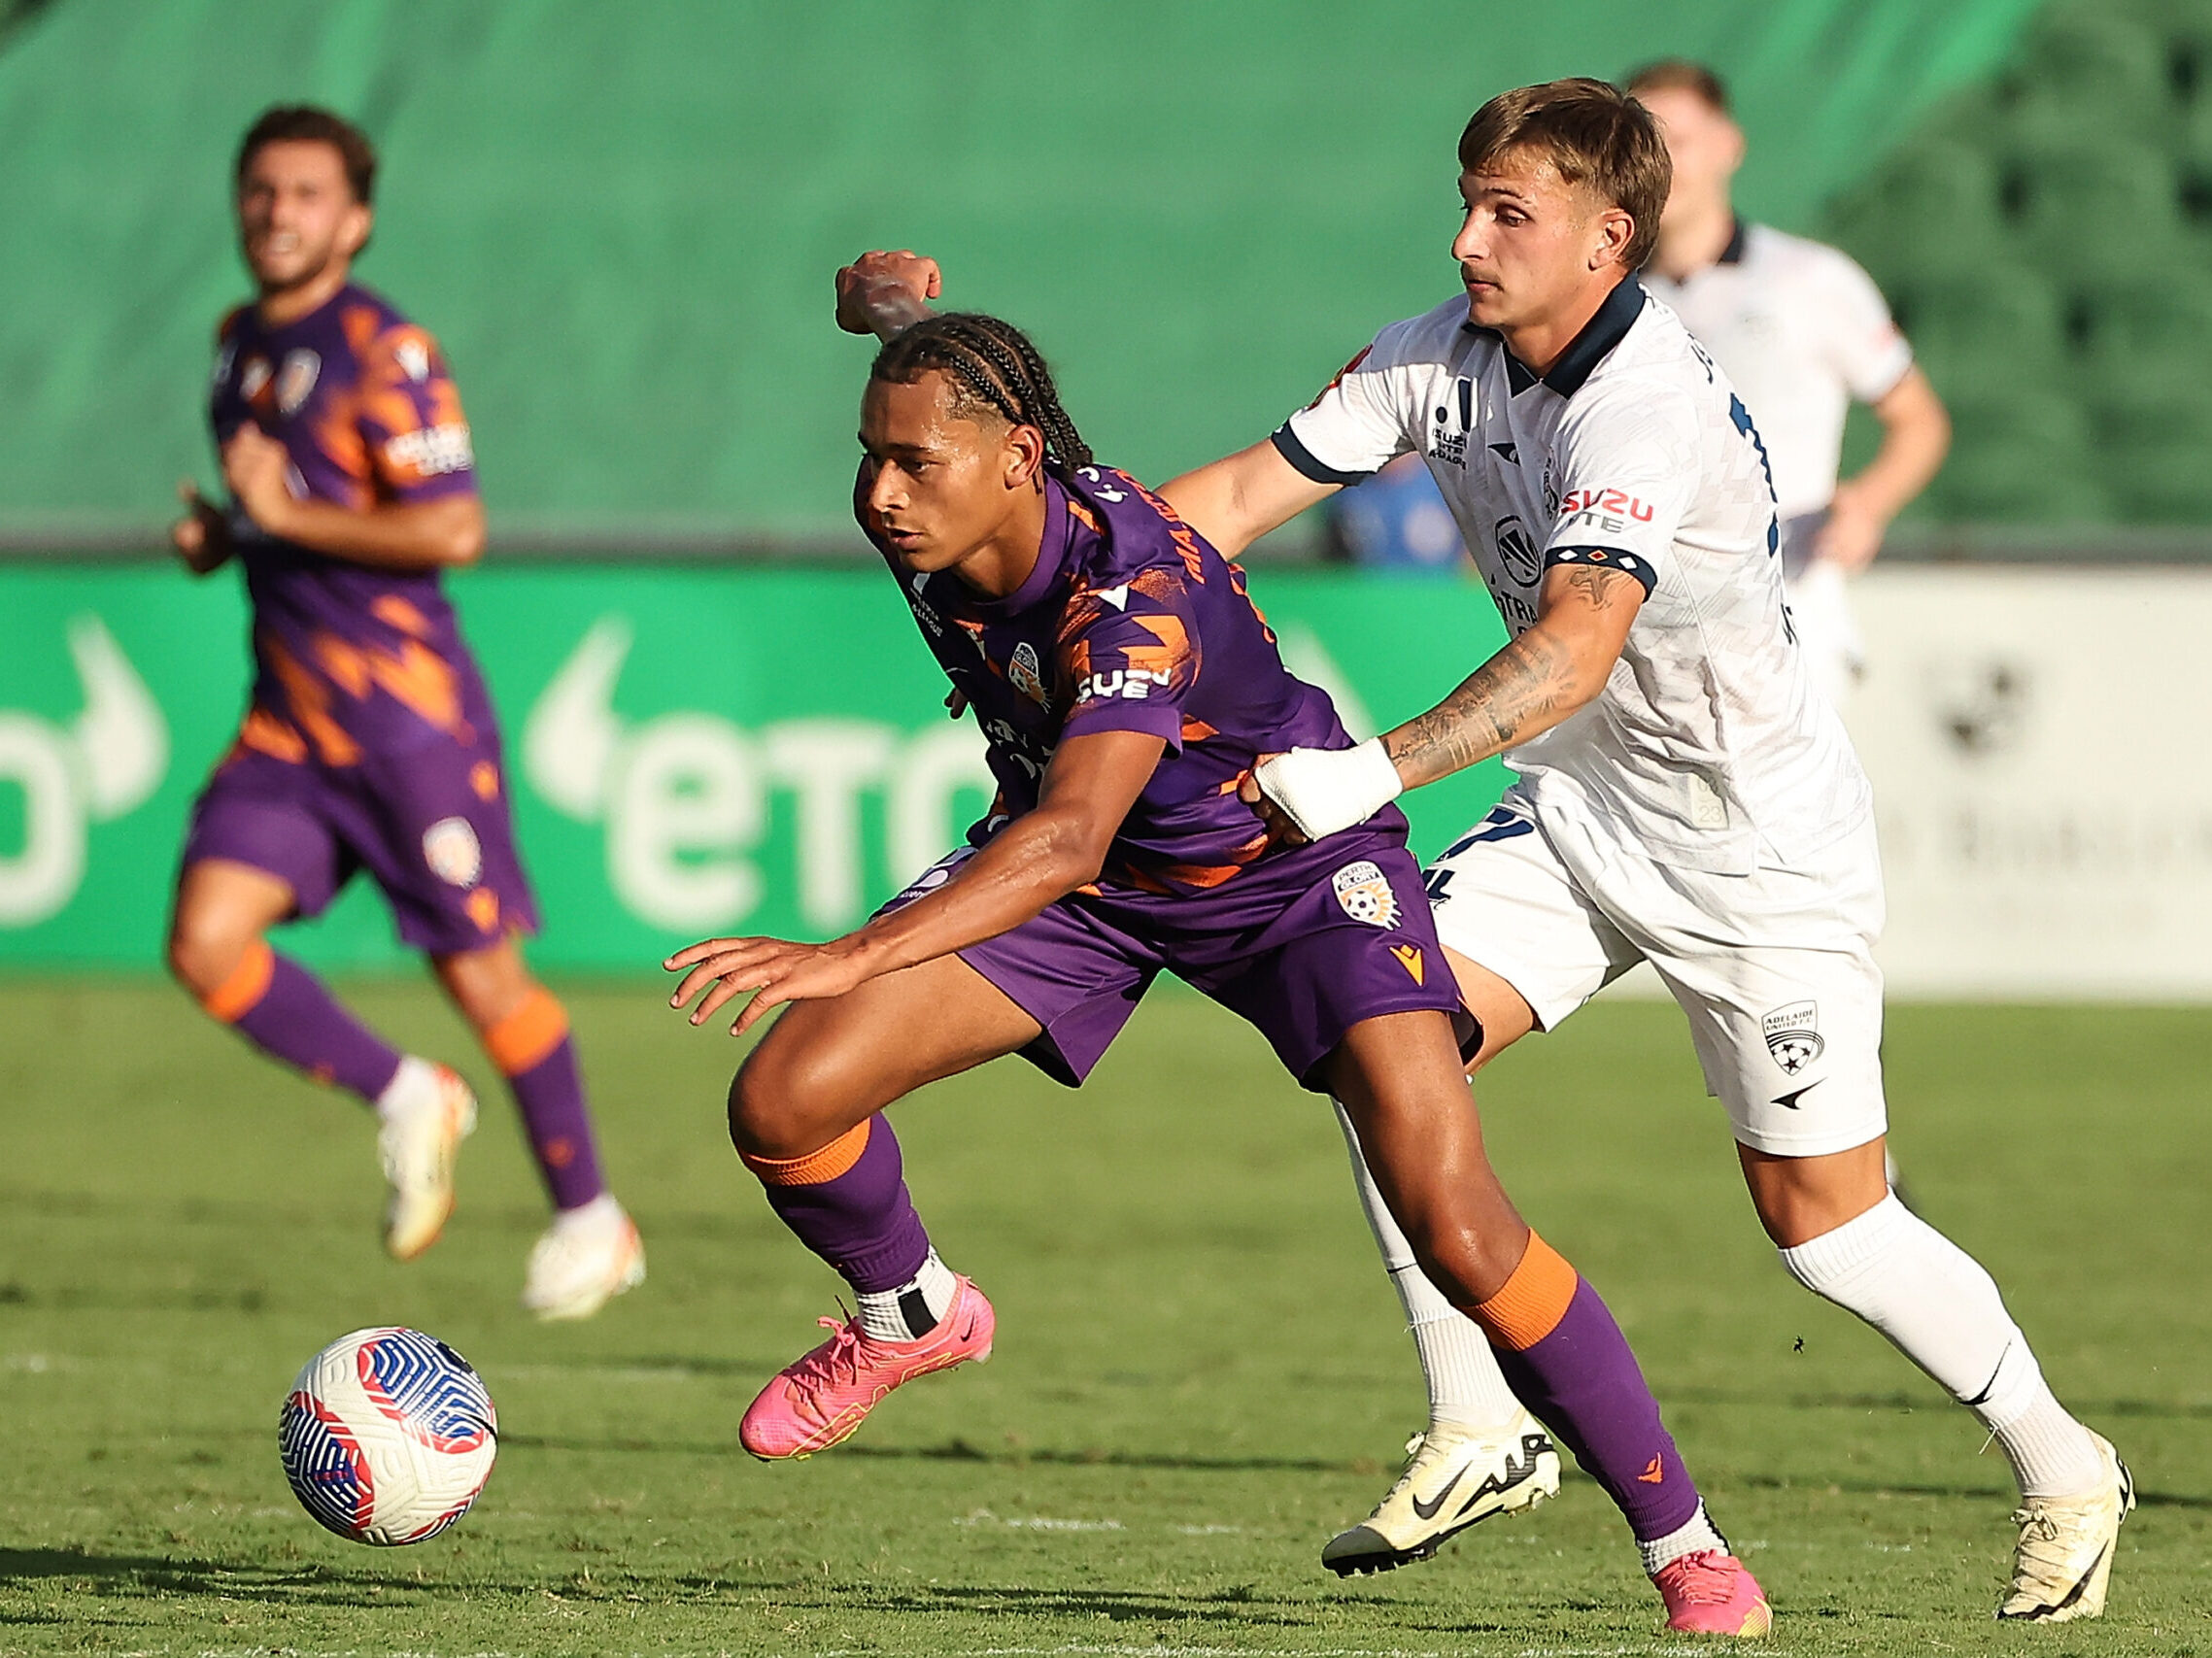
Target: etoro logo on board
(685,795)
(101,764)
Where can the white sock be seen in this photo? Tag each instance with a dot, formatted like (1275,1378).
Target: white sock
(1694,1535)
(1466,1387)
(600,1212)
(912,1310)
(1945,1313)
(414,1086)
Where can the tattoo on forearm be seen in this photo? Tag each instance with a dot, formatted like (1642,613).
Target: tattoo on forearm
(1523,684)
(1531,685)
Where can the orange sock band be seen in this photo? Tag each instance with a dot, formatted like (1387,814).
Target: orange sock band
(238,995)
(816,1167)
(1529,1306)
(520,1042)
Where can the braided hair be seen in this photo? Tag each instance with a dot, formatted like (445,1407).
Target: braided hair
(989,365)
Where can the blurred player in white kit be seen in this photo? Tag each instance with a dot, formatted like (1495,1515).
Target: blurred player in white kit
(1803,334)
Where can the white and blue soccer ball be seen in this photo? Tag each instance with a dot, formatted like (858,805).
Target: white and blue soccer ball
(388,1436)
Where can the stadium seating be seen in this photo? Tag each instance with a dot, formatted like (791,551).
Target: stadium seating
(2026,462)
(2044,241)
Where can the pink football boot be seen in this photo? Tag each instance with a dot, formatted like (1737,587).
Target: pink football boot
(1711,1593)
(819,1399)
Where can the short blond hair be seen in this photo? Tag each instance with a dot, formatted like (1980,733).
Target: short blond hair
(1592,133)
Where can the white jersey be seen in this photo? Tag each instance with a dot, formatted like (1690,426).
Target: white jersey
(1803,333)
(1707,748)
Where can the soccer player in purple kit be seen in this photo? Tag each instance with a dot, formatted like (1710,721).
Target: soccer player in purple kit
(370,742)
(1126,687)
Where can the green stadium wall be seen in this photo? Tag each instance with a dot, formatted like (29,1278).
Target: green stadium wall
(622,220)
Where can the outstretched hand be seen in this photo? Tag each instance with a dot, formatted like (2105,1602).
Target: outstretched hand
(881,293)
(775,970)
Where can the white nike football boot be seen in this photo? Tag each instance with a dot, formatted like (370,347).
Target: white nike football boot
(1455,1478)
(2062,1562)
(585,1259)
(417,1137)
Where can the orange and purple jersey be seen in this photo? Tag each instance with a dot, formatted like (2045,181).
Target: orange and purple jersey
(1129,623)
(349,658)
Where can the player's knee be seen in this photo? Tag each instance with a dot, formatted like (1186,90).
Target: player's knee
(203,953)
(487,986)
(780,1102)
(761,1114)
(1467,1267)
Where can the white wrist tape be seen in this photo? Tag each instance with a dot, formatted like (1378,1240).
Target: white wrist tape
(1326,790)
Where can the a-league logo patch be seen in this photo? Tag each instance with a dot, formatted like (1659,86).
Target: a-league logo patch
(1022,674)
(453,852)
(1793,1037)
(1365,894)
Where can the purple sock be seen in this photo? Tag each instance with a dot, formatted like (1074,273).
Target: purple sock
(288,1013)
(533,1050)
(848,1203)
(1585,1385)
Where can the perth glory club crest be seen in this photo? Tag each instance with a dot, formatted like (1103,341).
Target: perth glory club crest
(1022,674)
(1365,894)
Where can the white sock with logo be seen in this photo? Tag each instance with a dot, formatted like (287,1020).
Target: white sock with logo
(914,1308)
(1466,1387)
(413,1087)
(1944,1312)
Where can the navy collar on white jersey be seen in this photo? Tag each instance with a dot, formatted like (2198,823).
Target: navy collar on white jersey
(1587,350)
(1733,254)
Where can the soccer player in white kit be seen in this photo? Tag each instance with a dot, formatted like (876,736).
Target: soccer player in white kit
(1684,795)
(1803,334)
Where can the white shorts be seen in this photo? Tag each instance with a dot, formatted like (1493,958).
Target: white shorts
(1775,968)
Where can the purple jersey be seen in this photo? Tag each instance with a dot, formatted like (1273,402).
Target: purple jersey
(1131,622)
(348,659)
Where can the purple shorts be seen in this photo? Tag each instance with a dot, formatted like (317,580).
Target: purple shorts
(1330,936)
(431,826)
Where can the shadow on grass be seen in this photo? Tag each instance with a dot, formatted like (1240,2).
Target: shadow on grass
(313,1584)
(960,1450)
(1985,1493)
(2177,1410)
(1242,1605)
(306,1584)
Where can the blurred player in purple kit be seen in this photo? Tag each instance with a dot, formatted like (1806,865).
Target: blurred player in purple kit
(370,743)
(1126,686)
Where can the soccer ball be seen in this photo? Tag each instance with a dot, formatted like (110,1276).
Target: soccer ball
(388,1436)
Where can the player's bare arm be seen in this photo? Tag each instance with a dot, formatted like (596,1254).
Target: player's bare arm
(1240,497)
(1534,682)
(1916,436)
(1556,667)
(885,293)
(392,535)
(1042,856)
(201,537)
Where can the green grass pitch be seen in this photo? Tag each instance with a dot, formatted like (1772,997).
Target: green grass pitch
(1200,1374)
